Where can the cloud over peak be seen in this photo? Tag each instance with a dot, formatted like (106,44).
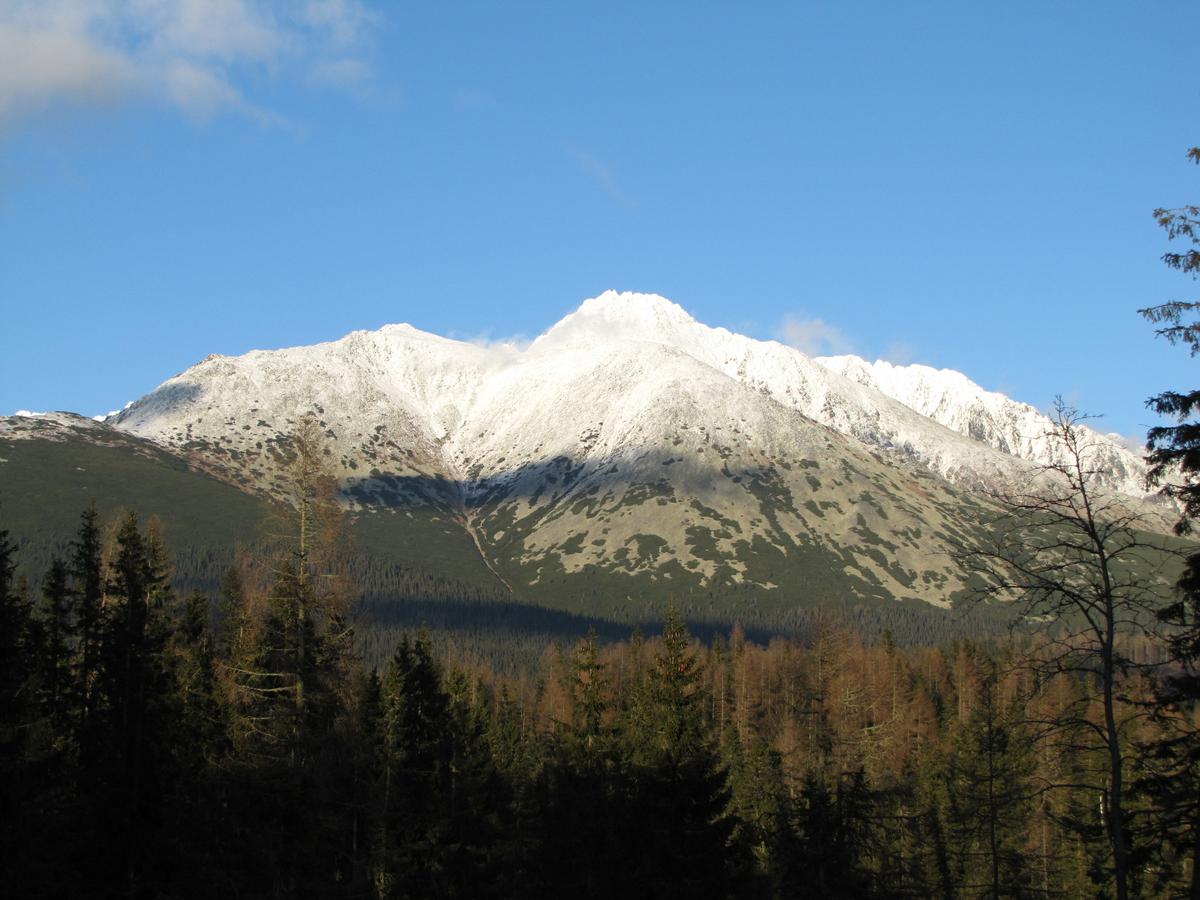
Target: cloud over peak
(814,337)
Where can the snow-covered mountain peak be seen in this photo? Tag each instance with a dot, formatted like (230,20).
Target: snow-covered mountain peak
(623,315)
(633,306)
(1019,429)
(457,403)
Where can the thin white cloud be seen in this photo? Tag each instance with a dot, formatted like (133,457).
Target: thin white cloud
(341,73)
(190,54)
(1134,443)
(813,337)
(602,174)
(347,22)
(517,343)
(42,66)
(900,353)
(225,30)
(201,94)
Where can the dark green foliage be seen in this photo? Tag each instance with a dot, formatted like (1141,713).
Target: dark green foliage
(1178,445)
(15,634)
(586,855)
(443,801)
(238,748)
(1172,781)
(758,808)
(87,594)
(16,707)
(679,797)
(831,838)
(58,685)
(986,775)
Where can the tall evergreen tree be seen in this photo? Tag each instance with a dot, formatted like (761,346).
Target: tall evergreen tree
(679,798)
(16,709)
(831,838)
(14,637)
(585,790)
(757,802)
(417,752)
(58,685)
(1174,460)
(987,772)
(138,693)
(87,594)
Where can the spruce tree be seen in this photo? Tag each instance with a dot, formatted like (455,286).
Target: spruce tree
(987,775)
(757,792)
(87,594)
(59,688)
(135,679)
(1174,761)
(679,797)
(16,710)
(417,751)
(14,637)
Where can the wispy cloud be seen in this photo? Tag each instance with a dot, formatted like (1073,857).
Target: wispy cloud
(814,337)
(602,174)
(516,342)
(349,73)
(900,353)
(1134,443)
(42,65)
(186,53)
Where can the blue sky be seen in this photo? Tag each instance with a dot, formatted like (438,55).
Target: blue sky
(966,185)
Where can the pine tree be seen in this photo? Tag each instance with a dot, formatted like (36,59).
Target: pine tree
(417,752)
(679,798)
(479,800)
(830,837)
(57,660)
(585,790)
(757,794)
(987,774)
(1174,780)
(202,719)
(17,710)
(87,594)
(589,735)
(14,639)
(137,694)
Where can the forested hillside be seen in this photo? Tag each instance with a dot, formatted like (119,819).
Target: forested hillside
(156,744)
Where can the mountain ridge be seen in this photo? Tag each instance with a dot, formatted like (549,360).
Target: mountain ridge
(628,443)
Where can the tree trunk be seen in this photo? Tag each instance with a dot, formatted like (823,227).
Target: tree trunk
(1116,818)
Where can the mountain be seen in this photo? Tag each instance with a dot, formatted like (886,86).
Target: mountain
(1018,429)
(628,453)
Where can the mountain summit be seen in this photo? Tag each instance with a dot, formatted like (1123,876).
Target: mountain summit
(632,446)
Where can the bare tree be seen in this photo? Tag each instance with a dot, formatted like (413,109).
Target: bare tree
(1076,561)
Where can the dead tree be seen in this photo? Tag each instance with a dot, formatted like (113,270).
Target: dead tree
(1076,562)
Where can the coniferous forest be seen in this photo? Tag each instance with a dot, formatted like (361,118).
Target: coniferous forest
(158,744)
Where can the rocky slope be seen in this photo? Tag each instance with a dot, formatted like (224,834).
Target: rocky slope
(630,440)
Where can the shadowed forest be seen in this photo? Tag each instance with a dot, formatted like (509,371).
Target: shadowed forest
(157,745)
